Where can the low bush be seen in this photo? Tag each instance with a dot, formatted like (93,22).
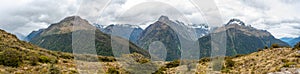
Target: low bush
(229,63)
(11,57)
(297,46)
(66,56)
(160,70)
(284,60)
(113,71)
(46,59)
(54,70)
(275,46)
(288,64)
(106,59)
(173,64)
(206,59)
(33,60)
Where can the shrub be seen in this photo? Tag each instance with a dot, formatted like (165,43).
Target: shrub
(288,64)
(266,47)
(284,60)
(225,70)
(113,71)
(33,60)
(11,57)
(66,56)
(275,46)
(206,59)
(260,49)
(297,46)
(54,70)
(160,70)
(173,64)
(106,59)
(239,55)
(229,63)
(44,59)
(139,58)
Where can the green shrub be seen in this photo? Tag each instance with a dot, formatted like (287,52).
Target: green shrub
(11,57)
(239,55)
(288,64)
(284,60)
(66,56)
(44,59)
(225,70)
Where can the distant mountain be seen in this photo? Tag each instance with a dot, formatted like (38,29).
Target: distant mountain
(286,39)
(291,41)
(135,31)
(294,41)
(33,34)
(100,27)
(58,37)
(161,31)
(241,39)
(201,29)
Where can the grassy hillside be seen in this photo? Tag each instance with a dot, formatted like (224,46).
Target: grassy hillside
(262,62)
(20,57)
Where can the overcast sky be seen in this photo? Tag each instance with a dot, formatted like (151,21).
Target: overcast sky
(280,17)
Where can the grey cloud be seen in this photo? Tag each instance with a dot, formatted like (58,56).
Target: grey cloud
(258,4)
(39,11)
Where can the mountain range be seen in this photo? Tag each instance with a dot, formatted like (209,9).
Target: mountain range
(134,30)
(241,39)
(291,41)
(58,37)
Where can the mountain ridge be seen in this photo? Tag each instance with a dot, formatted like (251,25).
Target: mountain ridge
(58,37)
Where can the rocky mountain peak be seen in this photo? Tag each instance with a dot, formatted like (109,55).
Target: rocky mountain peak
(68,24)
(163,18)
(235,21)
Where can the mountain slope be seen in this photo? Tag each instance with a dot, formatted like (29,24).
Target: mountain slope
(161,31)
(33,34)
(273,61)
(241,39)
(58,37)
(18,56)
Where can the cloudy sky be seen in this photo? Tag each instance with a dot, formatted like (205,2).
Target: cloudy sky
(280,17)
